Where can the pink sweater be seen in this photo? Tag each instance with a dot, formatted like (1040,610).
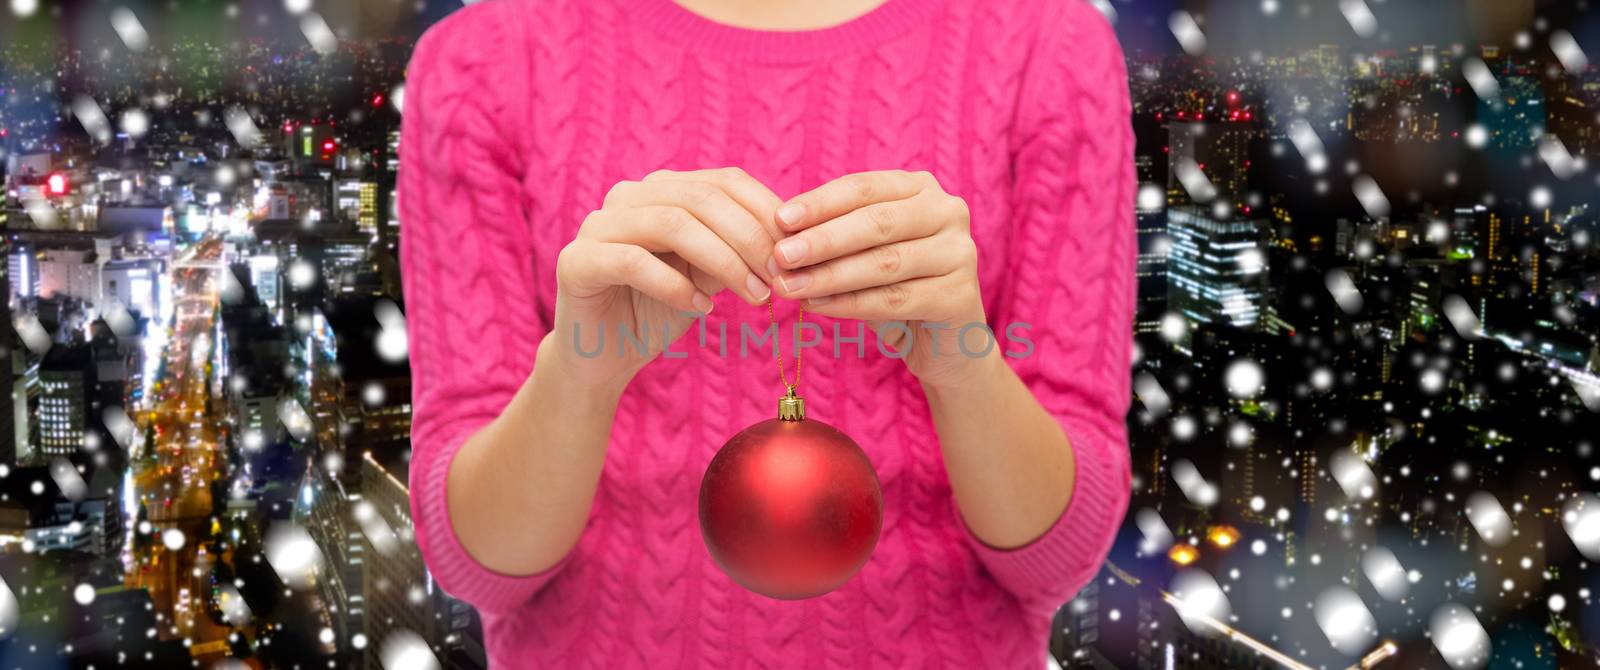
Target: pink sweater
(520,114)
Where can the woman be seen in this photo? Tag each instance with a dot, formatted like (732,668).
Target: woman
(570,164)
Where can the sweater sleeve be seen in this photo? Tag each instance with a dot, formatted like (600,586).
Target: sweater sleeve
(468,274)
(1073,230)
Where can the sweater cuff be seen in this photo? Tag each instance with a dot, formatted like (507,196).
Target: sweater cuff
(1051,569)
(452,567)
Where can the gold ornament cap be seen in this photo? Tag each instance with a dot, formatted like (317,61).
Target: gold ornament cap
(791,407)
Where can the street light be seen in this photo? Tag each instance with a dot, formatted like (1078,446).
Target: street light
(1223,536)
(1183,554)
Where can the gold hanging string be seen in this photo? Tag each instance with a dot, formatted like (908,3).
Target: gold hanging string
(791,407)
(777,348)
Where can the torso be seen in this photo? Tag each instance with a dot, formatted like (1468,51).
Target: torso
(935,98)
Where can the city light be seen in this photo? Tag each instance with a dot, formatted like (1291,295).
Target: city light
(1223,536)
(1183,554)
(57,184)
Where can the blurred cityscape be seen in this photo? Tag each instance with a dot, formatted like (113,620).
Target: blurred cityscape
(1367,400)
(1367,375)
(205,416)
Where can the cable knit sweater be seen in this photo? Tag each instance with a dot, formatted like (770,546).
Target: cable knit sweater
(520,114)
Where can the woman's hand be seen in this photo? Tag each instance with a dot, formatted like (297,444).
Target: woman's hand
(894,249)
(649,261)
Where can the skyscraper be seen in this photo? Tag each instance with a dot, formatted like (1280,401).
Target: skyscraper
(1217,268)
(1220,150)
(8,341)
(324,511)
(1154,245)
(400,593)
(356,201)
(66,380)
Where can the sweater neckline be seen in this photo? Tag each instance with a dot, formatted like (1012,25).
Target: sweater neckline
(882,23)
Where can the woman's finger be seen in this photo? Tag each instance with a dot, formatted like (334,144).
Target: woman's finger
(847,194)
(858,230)
(877,266)
(586,268)
(724,216)
(706,194)
(753,195)
(748,191)
(909,300)
(664,228)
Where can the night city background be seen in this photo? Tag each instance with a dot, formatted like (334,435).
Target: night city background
(1367,372)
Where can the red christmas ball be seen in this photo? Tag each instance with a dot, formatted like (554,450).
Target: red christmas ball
(790,509)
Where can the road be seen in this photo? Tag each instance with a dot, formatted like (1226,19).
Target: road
(173,479)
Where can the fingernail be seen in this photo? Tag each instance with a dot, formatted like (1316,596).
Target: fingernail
(772,267)
(758,288)
(820,300)
(790,214)
(795,282)
(793,250)
(702,303)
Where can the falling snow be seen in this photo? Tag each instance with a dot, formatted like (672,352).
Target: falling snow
(1345,620)
(293,554)
(1459,637)
(405,650)
(1188,33)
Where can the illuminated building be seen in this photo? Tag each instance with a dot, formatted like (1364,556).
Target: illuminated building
(1077,629)
(311,144)
(301,201)
(66,383)
(324,510)
(9,355)
(400,594)
(69,272)
(1426,295)
(118,362)
(132,283)
(1496,237)
(1154,244)
(356,201)
(1307,462)
(391,157)
(263,274)
(255,356)
(1216,269)
(372,394)
(1344,238)
(1533,273)
(344,258)
(1264,475)
(389,206)
(369,208)
(1221,152)
(37,517)
(22,270)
